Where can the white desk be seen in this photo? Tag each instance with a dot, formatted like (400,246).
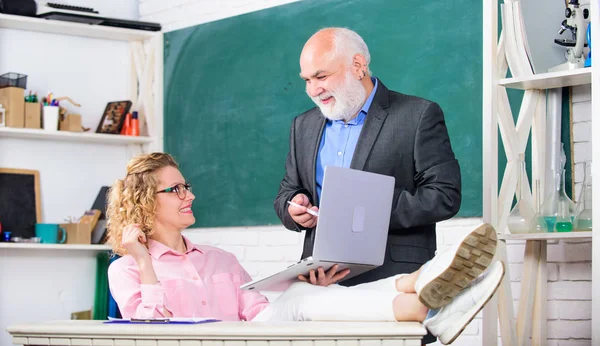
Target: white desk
(95,333)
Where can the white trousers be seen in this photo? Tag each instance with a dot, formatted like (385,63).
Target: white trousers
(372,301)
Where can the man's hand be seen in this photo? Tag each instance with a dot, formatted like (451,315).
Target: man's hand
(325,279)
(300,214)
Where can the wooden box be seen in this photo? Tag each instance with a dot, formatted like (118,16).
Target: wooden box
(81,233)
(13,100)
(71,122)
(33,115)
(78,233)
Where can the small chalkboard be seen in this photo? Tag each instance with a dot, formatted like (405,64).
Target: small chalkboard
(20,207)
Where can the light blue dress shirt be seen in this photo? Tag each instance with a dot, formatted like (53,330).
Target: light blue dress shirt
(339,141)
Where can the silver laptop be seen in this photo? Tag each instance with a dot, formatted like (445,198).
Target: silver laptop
(352,229)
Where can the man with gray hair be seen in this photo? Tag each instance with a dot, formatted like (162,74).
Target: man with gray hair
(361,124)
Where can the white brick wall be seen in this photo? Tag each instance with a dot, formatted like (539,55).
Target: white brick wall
(263,250)
(582,127)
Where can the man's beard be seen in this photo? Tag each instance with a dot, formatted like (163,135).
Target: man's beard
(349,98)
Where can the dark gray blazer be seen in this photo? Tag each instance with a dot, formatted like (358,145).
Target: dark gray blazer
(404,137)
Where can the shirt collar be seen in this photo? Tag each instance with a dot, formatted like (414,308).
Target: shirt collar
(157,249)
(360,118)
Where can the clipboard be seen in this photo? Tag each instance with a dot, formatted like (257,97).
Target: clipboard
(172,320)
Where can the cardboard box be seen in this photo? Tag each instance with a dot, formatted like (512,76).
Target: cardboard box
(33,115)
(2,116)
(71,122)
(78,233)
(81,233)
(13,100)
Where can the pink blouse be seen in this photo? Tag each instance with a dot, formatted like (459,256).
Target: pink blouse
(203,282)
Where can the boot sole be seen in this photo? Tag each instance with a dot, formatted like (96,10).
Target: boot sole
(474,255)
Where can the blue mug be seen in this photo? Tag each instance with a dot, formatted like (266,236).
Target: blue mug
(48,233)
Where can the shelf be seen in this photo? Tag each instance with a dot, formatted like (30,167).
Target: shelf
(72,136)
(38,246)
(546,236)
(74,29)
(550,80)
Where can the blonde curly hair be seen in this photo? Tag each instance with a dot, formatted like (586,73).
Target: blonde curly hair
(133,200)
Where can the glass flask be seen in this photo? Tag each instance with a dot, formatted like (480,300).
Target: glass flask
(522,213)
(583,218)
(538,224)
(563,221)
(554,198)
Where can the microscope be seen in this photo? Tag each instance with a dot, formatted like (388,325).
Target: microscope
(576,24)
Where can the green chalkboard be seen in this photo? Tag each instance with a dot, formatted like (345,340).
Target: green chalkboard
(232,89)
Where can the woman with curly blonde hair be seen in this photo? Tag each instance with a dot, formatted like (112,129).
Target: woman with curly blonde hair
(163,274)
(135,204)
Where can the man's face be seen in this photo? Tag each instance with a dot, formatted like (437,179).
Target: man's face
(331,85)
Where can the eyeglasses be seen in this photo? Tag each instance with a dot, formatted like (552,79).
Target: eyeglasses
(180,189)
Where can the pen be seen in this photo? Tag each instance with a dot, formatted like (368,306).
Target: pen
(150,320)
(310,211)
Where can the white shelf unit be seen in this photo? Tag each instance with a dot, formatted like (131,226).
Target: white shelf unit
(89,137)
(515,331)
(57,247)
(73,164)
(74,29)
(146,79)
(546,236)
(549,80)
(140,81)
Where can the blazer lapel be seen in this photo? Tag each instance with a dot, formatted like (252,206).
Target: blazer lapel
(314,149)
(373,122)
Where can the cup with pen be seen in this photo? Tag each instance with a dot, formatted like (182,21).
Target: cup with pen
(50,114)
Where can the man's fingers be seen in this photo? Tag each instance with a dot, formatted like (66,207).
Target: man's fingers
(301,218)
(322,275)
(311,223)
(300,199)
(331,272)
(322,278)
(313,279)
(337,277)
(306,220)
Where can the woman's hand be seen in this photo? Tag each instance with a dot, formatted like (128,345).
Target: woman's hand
(134,241)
